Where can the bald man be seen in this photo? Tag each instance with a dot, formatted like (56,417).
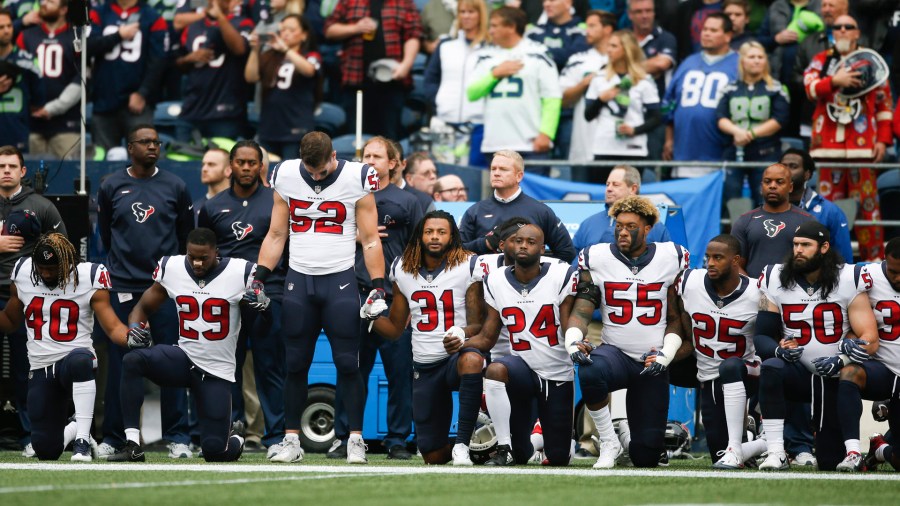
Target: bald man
(450,188)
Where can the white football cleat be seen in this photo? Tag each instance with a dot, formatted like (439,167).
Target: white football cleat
(461,455)
(356,450)
(290,451)
(852,463)
(776,461)
(609,453)
(179,451)
(804,459)
(274,450)
(729,458)
(105,450)
(28,451)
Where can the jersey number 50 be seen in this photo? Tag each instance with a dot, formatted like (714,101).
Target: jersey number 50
(823,335)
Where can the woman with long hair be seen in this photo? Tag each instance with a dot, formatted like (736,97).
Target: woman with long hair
(624,102)
(450,67)
(291,82)
(751,112)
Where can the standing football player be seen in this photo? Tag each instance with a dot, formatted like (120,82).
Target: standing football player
(874,379)
(432,283)
(719,305)
(59,298)
(207,292)
(323,204)
(531,298)
(813,300)
(633,284)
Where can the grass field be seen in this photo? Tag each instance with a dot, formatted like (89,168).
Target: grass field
(255,482)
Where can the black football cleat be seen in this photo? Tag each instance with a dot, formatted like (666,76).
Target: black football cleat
(503,457)
(131,452)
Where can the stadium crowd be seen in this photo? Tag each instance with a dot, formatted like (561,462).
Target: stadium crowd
(785,319)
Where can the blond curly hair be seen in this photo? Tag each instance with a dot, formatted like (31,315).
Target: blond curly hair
(640,206)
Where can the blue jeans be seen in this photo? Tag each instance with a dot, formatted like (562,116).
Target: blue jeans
(173,401)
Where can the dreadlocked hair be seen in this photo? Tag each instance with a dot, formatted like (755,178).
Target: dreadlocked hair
(414,256)
(640,206)
(64,251)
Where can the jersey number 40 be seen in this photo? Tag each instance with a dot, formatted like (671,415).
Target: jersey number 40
(63,321)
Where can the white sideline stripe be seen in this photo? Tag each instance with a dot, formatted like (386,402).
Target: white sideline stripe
(447,470)
(183,483)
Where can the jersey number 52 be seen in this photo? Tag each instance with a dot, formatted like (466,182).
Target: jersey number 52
(331,223)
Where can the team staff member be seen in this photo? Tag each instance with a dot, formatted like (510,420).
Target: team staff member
(143,213)
(240,218)
(26,215)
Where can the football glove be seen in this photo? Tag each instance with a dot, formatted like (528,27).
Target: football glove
(256,297)
(456,332)
(573,337)
(880,411)
(789,355)
(138,336)
(658,366)
(854,350)
(828,367)
(374,306)
(493,239)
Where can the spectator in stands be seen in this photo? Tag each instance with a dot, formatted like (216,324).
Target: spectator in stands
(23,209)
(826,212)
(788,23)
(438,19)
(833,139)
(809,48)
(289,70)
(215,173)
(521,84)
(267,16)
(692,16)
(574,81)
(623,100)
(623,181)
(562,33)
(55,127)
(170,87)
(419,176)
(24,14)
(450,188)
(738,11)
(20,94)
(752,112)
(213,55)
(127,69)
(534,9)
(507,201)
(693,95)
(369,35)
(876,19)
(660,49)
(451,63)
(143,214)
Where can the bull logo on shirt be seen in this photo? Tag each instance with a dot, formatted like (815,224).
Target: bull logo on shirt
(142,213)
(773,228)
(240,230)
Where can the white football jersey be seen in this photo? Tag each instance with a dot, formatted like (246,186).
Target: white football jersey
(512,111)
(817,324)
(60,320)
(722,327)
(484,266)
(886,304)
(322,218)
(437,301)
(530,315)
(209,315)
(634,293)
(578,66)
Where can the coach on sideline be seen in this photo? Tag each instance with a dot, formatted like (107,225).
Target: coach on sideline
(508,200)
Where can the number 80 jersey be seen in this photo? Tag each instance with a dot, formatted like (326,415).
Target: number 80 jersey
(59,320)
(634,293)
(209,318)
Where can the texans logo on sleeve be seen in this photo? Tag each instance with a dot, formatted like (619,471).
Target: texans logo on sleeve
(141,213)
(240,230)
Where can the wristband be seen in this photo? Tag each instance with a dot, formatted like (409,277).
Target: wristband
(573,336)
(752,134)
(262,273)
(378,284)
(845,359)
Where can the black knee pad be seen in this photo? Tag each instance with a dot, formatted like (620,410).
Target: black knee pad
(133,362)
(295,360)
(732,370)
(770,375)
(212,446)
(81,365)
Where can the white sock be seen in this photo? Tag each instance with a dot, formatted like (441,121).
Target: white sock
(603,420)
(852,445)
(774,434)
(879,453)
(498,406)
(537,441)
(357,438)
(69,433)
(735,400)
(754,448)
(83,395)
(133,435)
(290,436)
